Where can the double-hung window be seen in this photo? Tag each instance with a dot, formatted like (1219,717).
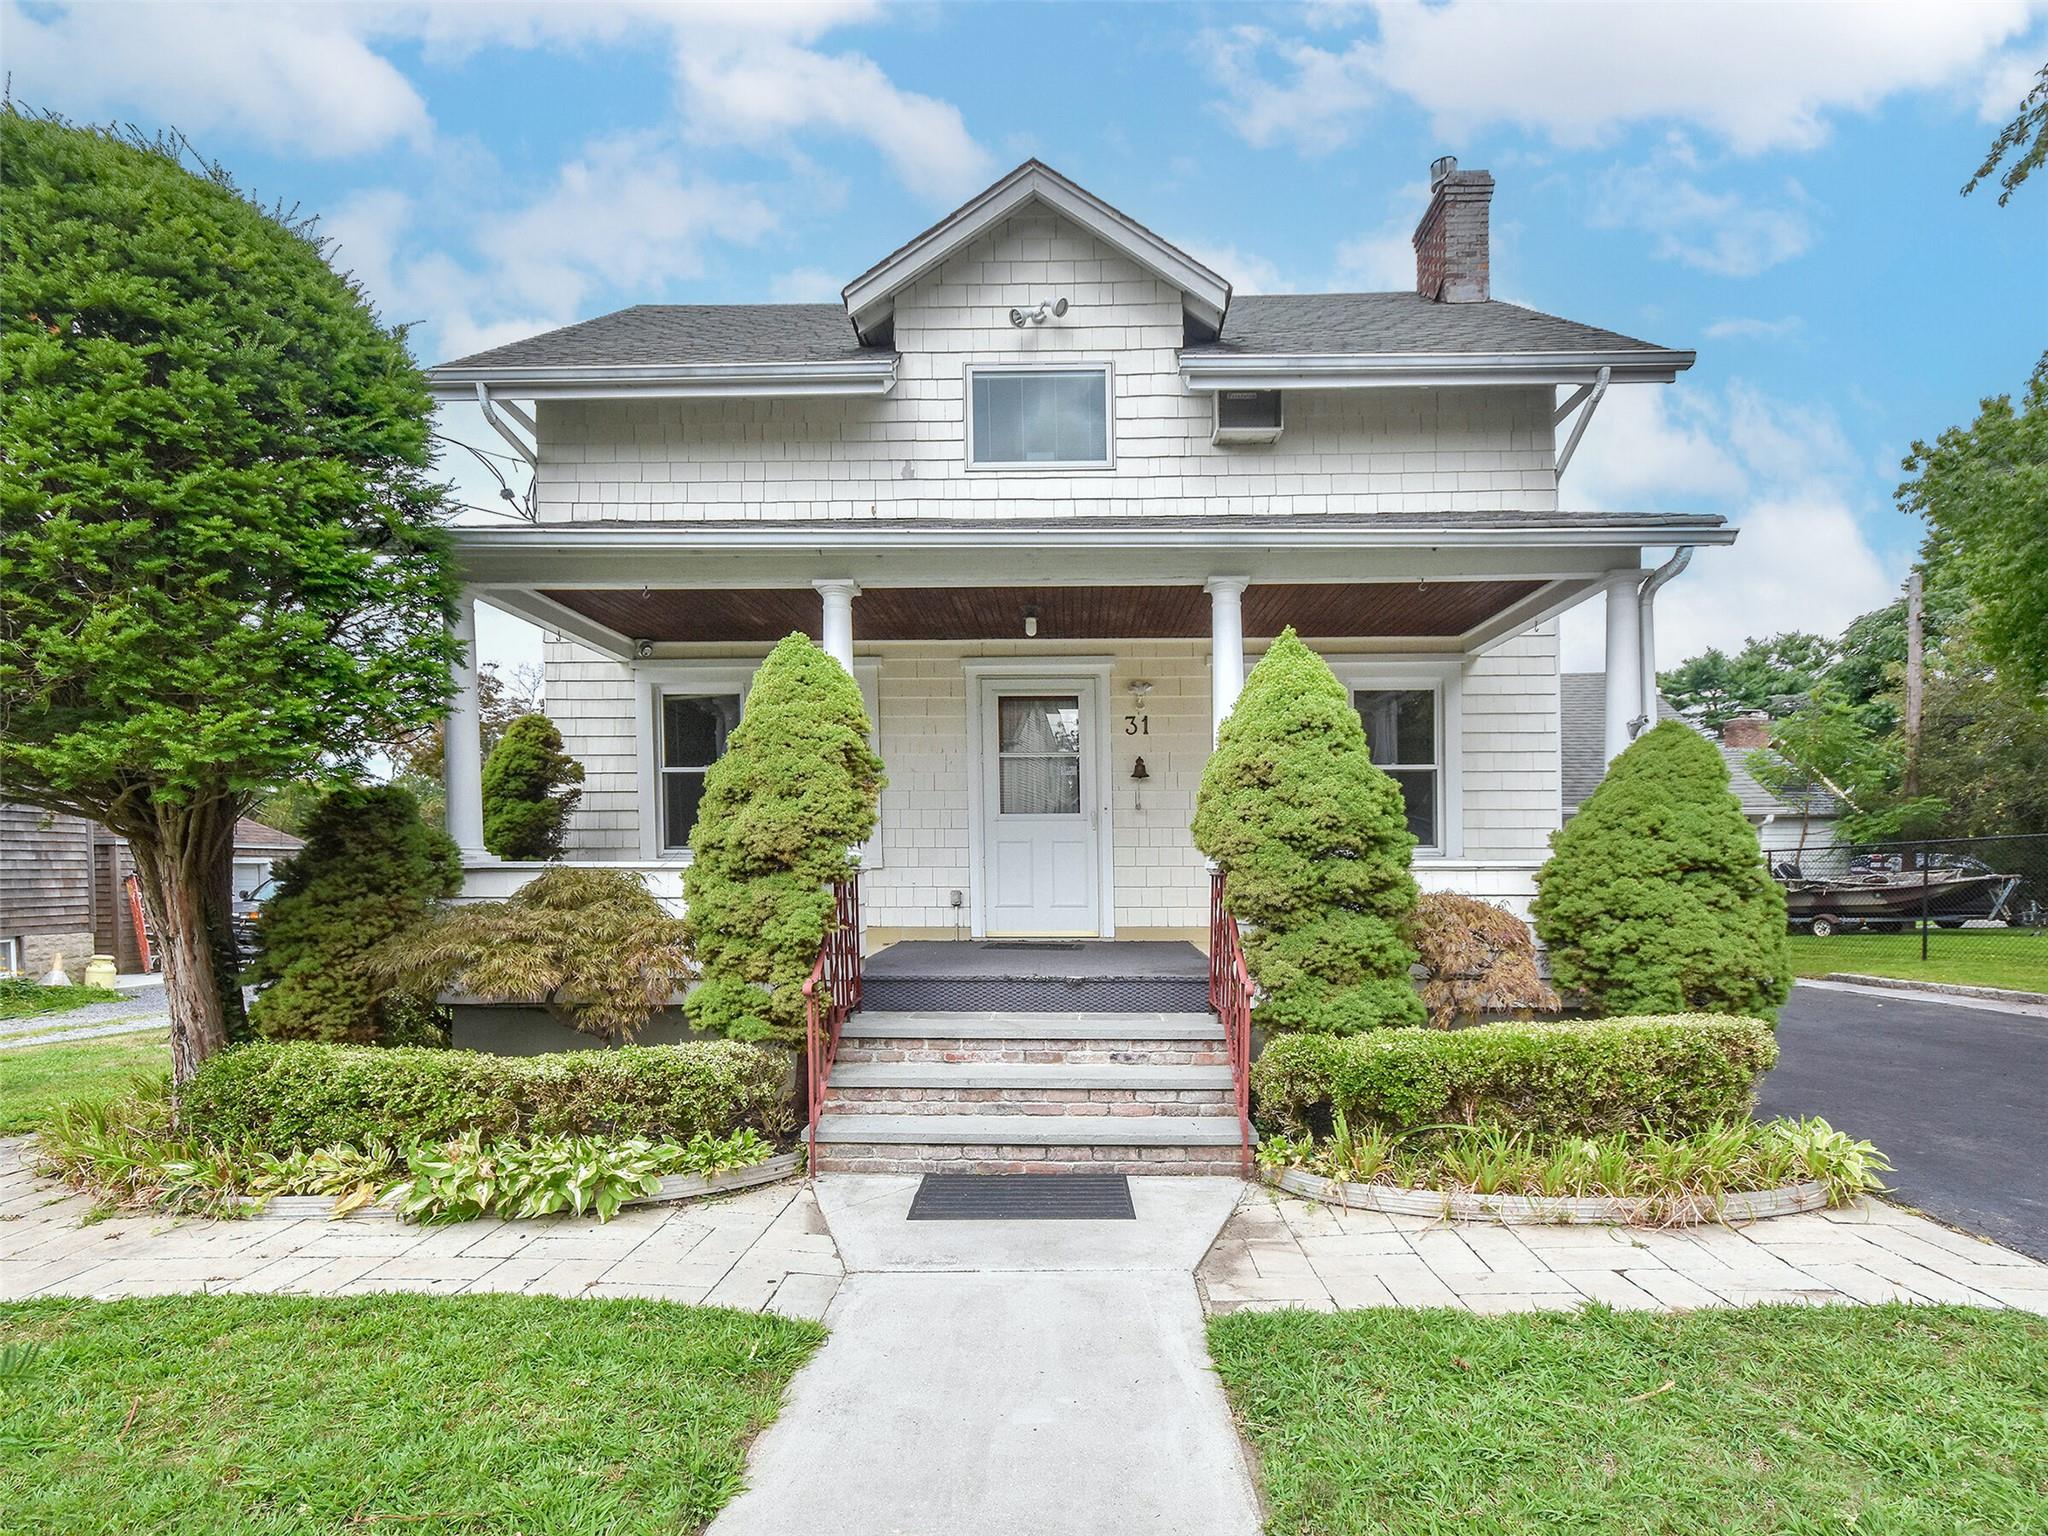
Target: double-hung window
(1402,731)
(1039,418)
(694,730)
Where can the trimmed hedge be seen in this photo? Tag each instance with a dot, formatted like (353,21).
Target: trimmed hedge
(1671,1073)
(304,1094)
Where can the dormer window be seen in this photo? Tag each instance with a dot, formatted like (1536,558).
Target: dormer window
(1039,418)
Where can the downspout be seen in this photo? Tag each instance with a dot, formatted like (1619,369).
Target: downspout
(490,410)
(1646,622)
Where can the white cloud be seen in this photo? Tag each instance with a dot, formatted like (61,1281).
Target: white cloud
(1781,472)
(1384,260)
(300,76)
(1750,328)
(806,285)
(1245,271)
(1719,232)
(2007,81)
(1754,76)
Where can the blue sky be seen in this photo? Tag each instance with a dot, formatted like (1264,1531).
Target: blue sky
(1774,185)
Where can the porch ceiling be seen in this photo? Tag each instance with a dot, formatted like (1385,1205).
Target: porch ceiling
(1361,610)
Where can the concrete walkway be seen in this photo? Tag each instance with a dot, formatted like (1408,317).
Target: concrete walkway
(1281,1251)
(1021,1378)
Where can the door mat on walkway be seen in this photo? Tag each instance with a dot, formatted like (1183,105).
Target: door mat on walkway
(1023,1197)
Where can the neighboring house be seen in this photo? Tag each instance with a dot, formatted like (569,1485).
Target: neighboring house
(63,888)
(1047,485)
(1792,822)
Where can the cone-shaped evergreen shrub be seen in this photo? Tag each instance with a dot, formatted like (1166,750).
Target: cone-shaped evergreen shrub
(371,868)
(1314,848)
(1656,899)
(794,792)
(529,786)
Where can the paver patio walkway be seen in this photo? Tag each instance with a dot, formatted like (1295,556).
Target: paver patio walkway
(1282,1251)
(761,1249)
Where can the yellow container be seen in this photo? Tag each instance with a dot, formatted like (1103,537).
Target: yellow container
(99,971)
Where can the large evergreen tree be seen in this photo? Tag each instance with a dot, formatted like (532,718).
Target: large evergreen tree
(1655,898)
(221,566)
(795,791)
(1314,847)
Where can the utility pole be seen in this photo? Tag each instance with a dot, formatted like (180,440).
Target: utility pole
(1916,665)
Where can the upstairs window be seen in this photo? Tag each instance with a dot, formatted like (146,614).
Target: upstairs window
(1038,418)
(1401,733)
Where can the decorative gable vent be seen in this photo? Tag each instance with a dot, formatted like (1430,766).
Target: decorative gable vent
(1246,416)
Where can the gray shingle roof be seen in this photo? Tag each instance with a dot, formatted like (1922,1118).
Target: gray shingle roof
(653,334)
(1289,324)
(1582,705)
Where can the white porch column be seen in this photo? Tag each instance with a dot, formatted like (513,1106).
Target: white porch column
(836,631)
(461,742)
(1624,661)
(1226,645)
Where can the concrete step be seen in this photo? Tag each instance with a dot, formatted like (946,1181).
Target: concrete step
(1060,1076)
(871,1024)
(1030,1130)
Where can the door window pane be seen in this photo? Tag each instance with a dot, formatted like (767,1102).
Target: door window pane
(1038,741)
(1400,733)
(694,731)
(1041,417)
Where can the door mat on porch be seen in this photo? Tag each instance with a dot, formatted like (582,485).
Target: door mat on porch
(1023,1197)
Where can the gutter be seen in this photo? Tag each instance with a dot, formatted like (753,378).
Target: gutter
(1646,622)
(670,380)
(1203,372)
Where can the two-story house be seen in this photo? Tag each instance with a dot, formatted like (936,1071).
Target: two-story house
(1045,485)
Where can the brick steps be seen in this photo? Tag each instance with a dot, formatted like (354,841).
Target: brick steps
(1027,1091)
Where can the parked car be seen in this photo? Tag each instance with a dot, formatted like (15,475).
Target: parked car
(248,917)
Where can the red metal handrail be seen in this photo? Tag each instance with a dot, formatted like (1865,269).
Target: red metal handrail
(1230,994)
(831,992)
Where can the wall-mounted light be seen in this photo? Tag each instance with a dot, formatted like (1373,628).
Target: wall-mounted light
(643,648)
(1047,309)
(1140,689)
(1030,623)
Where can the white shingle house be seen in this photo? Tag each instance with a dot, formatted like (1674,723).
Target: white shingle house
(1046,486)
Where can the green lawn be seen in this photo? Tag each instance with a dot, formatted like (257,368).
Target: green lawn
(1978,957)
(472,1414)
(35,1079)
(1742,1422)
(21,999)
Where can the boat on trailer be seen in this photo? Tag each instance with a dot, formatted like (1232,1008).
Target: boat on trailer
(1948,894)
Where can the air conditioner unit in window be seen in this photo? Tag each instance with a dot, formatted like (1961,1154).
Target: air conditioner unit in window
(1246,416)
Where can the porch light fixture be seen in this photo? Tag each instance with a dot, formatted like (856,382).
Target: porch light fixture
(1048,309)
(643,648)
(1030,623)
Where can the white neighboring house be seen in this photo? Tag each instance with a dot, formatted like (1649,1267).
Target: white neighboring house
(1046,486)
(1795,824)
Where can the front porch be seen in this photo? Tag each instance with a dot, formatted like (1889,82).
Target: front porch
(1045,695)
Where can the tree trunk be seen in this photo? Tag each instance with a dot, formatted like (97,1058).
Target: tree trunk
(179,856)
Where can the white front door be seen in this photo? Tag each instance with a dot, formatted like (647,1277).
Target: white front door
(1040,808)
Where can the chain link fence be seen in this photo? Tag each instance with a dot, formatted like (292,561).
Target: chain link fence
(1968,910)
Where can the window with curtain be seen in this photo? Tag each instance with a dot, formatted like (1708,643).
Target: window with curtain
(1039,417)
(694,731)
(1401,733)
(1039,755)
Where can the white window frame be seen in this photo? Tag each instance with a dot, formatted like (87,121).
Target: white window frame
(654,681)
(1040,466)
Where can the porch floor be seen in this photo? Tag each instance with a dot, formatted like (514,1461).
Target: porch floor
(1069,960)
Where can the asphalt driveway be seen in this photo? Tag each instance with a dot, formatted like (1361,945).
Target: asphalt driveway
(1956,1096)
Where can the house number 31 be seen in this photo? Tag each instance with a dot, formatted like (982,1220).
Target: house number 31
(1137,725)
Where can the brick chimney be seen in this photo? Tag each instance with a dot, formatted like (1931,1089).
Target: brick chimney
(1452,258)
(1747,731)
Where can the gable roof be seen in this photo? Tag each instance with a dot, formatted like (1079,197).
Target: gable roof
(652,334)
(870,298)
(1350,323)
(1582,731)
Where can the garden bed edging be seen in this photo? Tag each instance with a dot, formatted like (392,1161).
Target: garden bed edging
(1538,1210)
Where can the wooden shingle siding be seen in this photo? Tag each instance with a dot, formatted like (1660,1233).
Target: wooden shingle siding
(45,872)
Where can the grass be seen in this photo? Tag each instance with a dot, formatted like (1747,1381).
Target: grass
(1977,957)
(35,1079)
(1743,1422)
(21,999)
(289,1416)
